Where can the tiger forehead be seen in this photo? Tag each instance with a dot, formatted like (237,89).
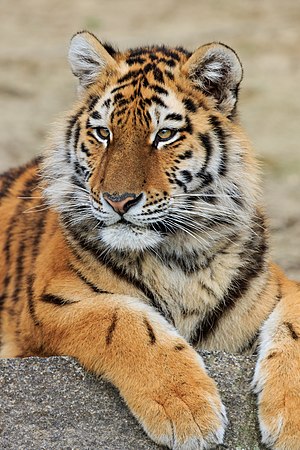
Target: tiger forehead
(158,55)
(146,74)
(154,64)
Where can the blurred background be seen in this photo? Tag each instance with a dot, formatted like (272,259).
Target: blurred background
(36,84)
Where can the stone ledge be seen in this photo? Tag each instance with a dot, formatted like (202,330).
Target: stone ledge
(52,403)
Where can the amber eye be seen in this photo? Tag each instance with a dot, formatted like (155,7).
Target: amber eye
(102,133)
(165,134)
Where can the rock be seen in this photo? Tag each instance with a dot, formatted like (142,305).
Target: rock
(52,403)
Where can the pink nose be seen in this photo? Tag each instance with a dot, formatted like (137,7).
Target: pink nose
(121,203)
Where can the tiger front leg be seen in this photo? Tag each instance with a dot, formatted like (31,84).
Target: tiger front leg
(277,375)
(161,378)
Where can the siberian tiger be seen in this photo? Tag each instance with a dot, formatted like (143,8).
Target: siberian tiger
(139,237)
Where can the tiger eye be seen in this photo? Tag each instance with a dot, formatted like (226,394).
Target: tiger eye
(165,134)
(103,133)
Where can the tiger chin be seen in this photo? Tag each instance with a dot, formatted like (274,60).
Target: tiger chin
(139,238)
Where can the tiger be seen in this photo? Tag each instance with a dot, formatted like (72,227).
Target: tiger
(138,238)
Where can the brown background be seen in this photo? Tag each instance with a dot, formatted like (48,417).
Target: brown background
(36,84)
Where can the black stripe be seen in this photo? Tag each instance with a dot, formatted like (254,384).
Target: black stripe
(186,155)
(168,62)
(150,331)
(179,347)
(68,133)
(56,300)
(121,86)
(174,116)
(158,101)
(121,112)
(93,101)
(107,103)
(188,127)
(31,303)
(26,192)
(205,142)
(118,97)
(39,231)
(209,197)
(85,150)
(187,262)
(186,174)
(76,135)
(135,60)
(111,329)
(19,272)
(158,75)
(96,115)
(118,270)
(206,178)
(292,331)
(170,75)
(253,260)
(92,286)
(130,75)
(110,49)
(219,132)
(158,89)
(71,122)
(8,179)
(251,345)
(190,105)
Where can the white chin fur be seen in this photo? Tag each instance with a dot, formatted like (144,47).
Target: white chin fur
(123,237)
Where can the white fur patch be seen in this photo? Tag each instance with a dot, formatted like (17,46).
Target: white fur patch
(86,63)
(122,237)
(266,344)
(271,432)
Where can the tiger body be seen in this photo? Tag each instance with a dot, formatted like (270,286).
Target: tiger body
(140,235)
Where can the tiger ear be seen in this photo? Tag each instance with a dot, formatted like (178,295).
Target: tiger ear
(217,70)
(88,58)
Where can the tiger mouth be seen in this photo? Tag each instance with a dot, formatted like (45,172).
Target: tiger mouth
(159,227)
(123,223)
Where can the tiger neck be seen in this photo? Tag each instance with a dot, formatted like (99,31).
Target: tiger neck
(216,258)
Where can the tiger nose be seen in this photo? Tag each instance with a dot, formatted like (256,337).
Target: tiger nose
(122,203)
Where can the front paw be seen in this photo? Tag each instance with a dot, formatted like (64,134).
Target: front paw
(279,406)
(183,411)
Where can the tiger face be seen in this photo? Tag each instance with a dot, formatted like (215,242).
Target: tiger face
(152,152)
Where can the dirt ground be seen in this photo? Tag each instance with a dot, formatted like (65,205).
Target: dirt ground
(36,83)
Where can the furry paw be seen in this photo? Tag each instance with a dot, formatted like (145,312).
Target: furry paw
(279,404)
(182,409)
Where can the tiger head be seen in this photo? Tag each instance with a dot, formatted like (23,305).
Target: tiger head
(152,151)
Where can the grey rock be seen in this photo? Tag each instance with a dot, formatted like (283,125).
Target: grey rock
(52,403)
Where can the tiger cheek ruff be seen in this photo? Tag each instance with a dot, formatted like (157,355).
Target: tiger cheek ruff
(138,237)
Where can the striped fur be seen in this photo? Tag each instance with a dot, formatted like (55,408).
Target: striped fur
(140,235)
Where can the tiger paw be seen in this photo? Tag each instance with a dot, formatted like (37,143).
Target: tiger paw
(279,419)
(184,412)
(279,409)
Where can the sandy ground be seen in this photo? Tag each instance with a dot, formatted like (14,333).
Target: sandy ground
(36,83)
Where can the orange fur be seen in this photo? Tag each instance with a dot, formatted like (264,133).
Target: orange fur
(187,265)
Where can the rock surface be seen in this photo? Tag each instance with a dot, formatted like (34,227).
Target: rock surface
(52,403)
